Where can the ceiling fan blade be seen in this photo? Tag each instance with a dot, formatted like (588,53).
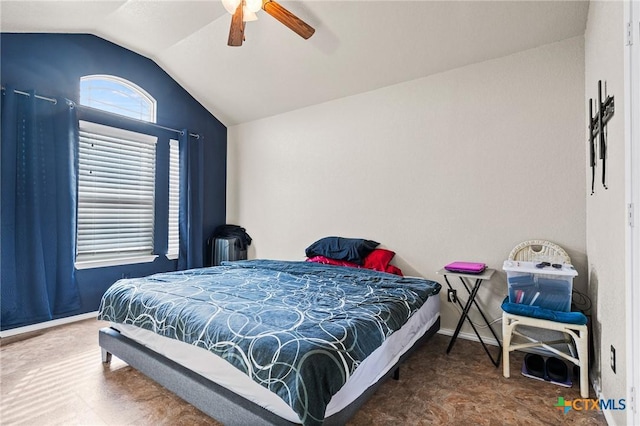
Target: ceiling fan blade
(236,32)
(296,24)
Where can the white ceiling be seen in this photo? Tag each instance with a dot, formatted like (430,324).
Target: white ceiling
(358,45)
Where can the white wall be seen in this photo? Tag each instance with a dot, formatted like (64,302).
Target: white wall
(461,165)
(606,212)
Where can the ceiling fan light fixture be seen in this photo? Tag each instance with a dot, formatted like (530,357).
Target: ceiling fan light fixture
(248,15)
(244,11)
(231,5)
(253,5)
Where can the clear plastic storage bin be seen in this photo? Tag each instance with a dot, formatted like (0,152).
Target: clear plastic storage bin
(547,287)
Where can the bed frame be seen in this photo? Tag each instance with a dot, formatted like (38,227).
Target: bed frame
(214,400)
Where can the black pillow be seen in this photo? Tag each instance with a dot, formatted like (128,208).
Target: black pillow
(349,249)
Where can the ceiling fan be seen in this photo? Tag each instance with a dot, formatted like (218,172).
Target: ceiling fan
(245,10)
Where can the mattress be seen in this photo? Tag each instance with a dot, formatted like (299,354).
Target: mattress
(299,329)
(218,370)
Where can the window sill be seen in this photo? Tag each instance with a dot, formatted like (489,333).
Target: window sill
(172,256)
(90,264)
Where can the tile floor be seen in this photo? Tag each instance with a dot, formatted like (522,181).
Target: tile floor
(55,377)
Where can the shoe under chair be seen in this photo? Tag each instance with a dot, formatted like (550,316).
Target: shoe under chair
(552,369)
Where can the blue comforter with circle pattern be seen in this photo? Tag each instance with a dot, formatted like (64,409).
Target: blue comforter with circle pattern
(299,329)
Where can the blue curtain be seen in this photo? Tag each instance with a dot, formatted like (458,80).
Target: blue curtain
(38,209)
(191,201)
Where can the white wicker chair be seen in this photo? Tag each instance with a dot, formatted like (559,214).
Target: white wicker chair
(540,250)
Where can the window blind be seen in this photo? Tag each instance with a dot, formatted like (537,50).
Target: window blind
(173,246)
(116,189)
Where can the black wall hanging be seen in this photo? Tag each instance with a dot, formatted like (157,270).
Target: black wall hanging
(598,134)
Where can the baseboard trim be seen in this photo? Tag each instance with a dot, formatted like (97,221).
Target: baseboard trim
(47,324)
(469,336)
(493,342)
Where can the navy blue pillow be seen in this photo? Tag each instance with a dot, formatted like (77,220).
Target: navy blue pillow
(349,249)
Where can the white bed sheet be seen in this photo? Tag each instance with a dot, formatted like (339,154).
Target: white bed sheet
(220,371)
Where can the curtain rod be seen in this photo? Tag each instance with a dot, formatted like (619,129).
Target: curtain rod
(74,105)
(20,92)
(193,135)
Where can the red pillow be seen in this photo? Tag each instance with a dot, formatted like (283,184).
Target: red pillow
(394,270)
(378,260)
(329,261)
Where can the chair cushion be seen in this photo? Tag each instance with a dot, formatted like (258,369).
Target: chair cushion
(577,318)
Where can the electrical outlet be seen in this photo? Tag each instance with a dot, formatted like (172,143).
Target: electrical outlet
(452,296)
(613,358)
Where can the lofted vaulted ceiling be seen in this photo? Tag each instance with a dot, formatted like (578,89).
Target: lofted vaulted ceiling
(358,46)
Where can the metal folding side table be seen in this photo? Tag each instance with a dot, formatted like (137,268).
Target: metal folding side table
(473,291)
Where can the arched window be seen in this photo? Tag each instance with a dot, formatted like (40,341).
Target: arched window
(117,95)
(117,179)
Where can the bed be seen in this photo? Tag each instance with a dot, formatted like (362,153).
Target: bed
(269,342)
